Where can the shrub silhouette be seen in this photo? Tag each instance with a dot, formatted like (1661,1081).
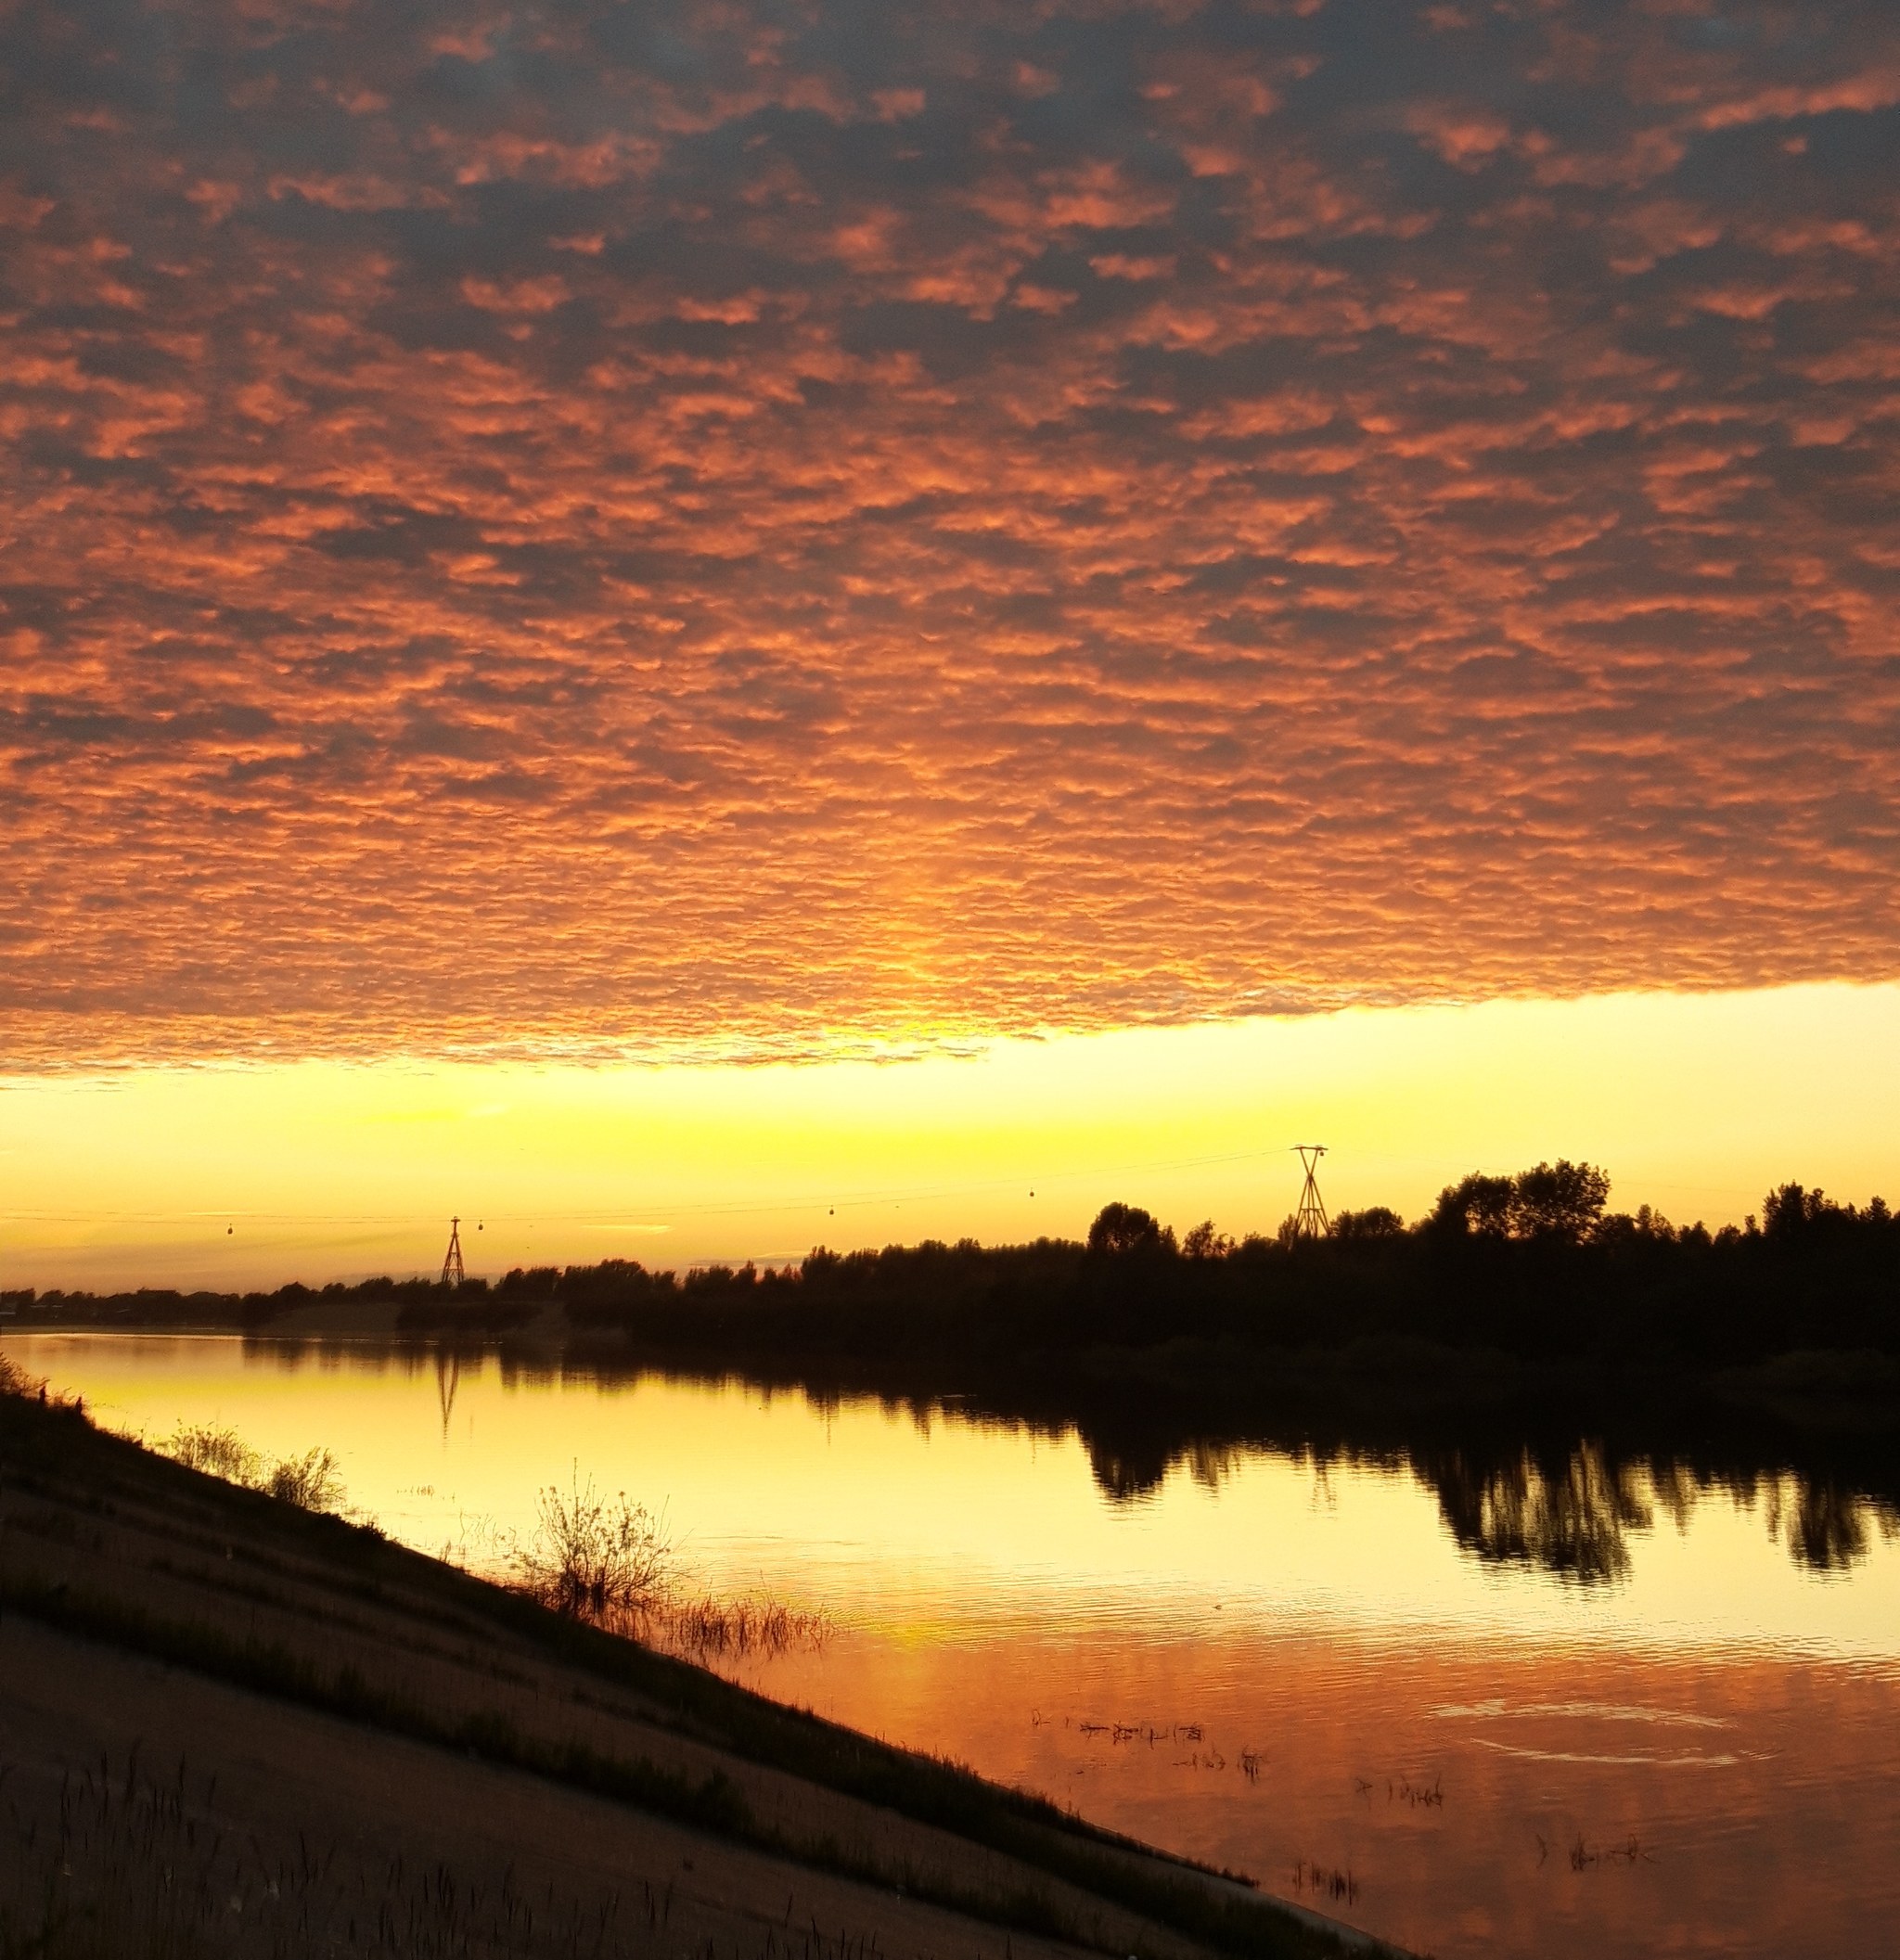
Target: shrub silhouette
(593,1555)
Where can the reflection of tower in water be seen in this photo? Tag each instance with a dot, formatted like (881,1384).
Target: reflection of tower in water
(448,1366)
(448,1378)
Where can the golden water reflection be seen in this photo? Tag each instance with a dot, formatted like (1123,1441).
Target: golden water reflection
(1532,1703)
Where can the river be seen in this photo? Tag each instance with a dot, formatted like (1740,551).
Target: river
(1605,1711)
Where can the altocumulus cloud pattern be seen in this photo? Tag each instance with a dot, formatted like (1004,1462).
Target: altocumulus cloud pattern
(643,528)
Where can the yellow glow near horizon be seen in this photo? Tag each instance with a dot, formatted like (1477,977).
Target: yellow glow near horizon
(253,1175)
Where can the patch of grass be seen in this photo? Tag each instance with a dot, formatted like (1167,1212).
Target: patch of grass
(312,1482)
(116,1865)
(218,1453)
(735,1628)
(14,1380)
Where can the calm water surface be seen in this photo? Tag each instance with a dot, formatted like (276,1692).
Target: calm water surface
(1264,1663)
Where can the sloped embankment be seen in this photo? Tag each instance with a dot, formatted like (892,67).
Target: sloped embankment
(231,1727)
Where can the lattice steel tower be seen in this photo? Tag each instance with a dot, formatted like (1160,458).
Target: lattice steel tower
(451,1273)
(1309,1221)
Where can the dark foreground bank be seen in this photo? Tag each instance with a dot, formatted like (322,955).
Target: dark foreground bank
(232,1727)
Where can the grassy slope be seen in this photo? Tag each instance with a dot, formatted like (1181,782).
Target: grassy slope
(372,1716)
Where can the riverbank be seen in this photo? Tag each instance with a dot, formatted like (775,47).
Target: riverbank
(234,1727)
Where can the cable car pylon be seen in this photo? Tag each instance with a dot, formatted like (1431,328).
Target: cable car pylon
(451,1273)
(1309,1221)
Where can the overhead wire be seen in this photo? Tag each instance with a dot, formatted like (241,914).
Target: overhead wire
(829,1200)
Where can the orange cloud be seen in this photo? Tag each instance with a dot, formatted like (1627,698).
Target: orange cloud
(560,536)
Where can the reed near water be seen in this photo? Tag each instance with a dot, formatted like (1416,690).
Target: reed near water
(312,1481)
(613,1563)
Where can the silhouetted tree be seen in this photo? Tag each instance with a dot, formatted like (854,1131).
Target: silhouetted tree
(1374,1221)
(1127,1228)
(1791,1211)
(1475,1203)
(1562,1200)
(1204,1242)
(1646,1227)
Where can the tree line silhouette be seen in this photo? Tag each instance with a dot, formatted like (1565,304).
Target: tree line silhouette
(1533,1265)
(1552,1370)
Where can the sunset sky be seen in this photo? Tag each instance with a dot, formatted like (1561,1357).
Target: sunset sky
(831,607)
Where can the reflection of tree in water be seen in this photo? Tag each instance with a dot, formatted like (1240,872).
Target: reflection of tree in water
(1566,1513)
(1825,1525)
(1211,1464)
(1128,1473)
(1574,1519)
(1539,1500)
(1677,1487)
(1571,1521)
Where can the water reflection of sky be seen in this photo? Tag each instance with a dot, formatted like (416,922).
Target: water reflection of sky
(1701,1753)
(955,1527)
